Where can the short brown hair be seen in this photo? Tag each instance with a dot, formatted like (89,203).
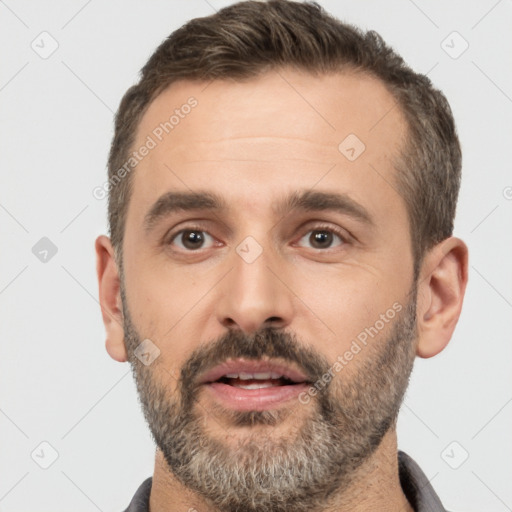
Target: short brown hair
(248,38)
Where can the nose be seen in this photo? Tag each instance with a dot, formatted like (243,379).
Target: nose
(255,294)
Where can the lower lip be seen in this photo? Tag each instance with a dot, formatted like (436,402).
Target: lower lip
(254,399)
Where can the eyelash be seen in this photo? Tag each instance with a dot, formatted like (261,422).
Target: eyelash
(342,235)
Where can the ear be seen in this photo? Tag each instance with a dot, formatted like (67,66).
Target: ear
(110,298)
(441,287)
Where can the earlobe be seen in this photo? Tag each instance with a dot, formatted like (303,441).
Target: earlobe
(441,288)
(110,298)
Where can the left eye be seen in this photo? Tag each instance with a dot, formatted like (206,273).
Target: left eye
(320,238)
(192,239)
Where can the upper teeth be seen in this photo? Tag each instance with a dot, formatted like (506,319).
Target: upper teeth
(248,376)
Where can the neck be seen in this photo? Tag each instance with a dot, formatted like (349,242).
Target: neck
(376,486)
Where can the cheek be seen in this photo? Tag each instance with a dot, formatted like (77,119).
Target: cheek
(344,305)
(160,293)
(165,305)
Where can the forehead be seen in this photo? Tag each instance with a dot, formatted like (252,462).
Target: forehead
(282,129)
(282,103)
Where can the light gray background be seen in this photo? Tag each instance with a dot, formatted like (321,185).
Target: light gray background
(57,383)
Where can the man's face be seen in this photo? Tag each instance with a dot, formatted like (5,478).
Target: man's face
(304,263)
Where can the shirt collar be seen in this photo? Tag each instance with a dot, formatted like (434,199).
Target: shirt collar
(416,486)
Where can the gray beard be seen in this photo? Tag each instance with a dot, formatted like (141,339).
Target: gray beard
(299,472)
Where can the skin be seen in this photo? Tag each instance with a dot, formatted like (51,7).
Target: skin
(254,143)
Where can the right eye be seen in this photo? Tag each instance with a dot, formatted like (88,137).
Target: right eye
(192,239)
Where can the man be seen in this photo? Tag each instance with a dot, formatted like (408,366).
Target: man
(282,189)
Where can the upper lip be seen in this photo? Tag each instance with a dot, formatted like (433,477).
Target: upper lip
(252,366)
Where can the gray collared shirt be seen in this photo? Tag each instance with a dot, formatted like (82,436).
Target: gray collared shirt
(416,487)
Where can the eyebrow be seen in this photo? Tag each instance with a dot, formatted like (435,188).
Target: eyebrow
(172,202)
(310,200)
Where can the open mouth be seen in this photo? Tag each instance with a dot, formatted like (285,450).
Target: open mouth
(255,381)
(254,385)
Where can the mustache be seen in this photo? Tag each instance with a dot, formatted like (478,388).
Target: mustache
(267,342)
